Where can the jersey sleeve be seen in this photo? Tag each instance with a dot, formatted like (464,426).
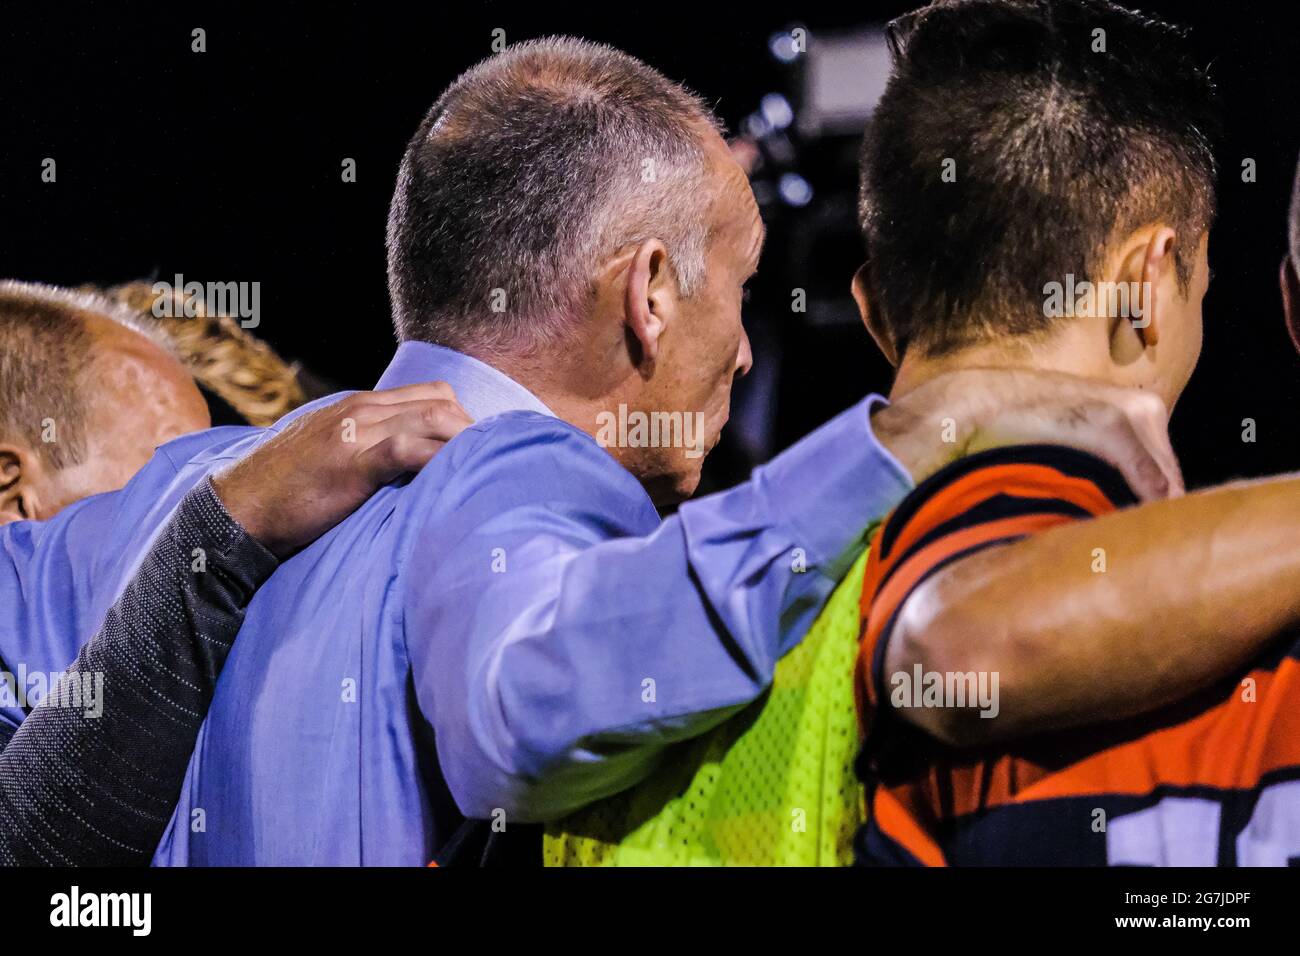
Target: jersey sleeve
(986,499)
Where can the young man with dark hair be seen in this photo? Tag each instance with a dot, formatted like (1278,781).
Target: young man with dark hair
(1024,675)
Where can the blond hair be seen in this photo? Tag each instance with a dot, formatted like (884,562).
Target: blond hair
(223,357)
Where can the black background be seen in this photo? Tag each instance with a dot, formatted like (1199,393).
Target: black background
(733,910)
(225,166)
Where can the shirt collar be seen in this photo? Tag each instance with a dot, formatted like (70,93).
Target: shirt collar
(481,389)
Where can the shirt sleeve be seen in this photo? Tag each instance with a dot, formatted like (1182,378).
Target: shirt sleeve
(561,637)
(59,577)
(91,777)
(990,498)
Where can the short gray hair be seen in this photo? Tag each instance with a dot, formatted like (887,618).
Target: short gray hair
(530,169)
(44,361)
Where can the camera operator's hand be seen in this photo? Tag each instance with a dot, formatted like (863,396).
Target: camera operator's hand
(321,468)
(966,411)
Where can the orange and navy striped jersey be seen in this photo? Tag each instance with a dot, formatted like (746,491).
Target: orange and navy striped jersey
(1213,780)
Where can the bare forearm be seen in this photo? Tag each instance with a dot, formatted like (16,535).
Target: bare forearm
(1113,617)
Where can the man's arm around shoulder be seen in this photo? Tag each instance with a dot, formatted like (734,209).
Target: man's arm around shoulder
(562,636)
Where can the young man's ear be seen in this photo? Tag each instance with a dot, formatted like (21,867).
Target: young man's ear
(1290,282)
(17,494)
(651,302)
(1146,265)
(871,317)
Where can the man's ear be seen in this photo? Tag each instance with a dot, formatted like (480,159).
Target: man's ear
(651,302)
(17,495)
(1147,265)
(871,318)
(1290,282)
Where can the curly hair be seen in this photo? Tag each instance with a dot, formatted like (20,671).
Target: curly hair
(224,358)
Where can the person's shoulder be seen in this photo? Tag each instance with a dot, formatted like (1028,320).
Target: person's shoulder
(525,457)
(537,438)
(988,498)
(147,488)
(134,512)
(996,479)
(206,445)
(523,429)
(212,446)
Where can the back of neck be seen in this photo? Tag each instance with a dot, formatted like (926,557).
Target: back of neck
(1069,351)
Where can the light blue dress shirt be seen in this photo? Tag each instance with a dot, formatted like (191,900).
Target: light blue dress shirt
(514,631)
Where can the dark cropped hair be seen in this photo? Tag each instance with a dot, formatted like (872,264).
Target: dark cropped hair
(1068,124)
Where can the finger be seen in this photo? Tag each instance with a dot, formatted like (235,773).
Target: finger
(386,412)
(1147,479)
(420,391)
(1129,428)
(370,416)
(1157,443)
(1111,433)
(440,420)
(398,454)
(1150,418)
(1151,474)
